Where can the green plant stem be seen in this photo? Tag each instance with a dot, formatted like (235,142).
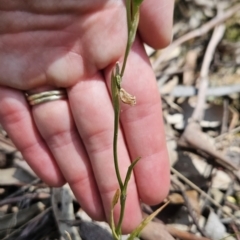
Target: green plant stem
(115,138)
(129,23)
(125,58)
(132,22)
(122,210)
(123,195)
(116,123)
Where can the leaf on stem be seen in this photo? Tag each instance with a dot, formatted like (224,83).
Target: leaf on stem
(132,23)
(137,2)
(137,231)
(134,19)
(112,224)
(135,7)
(115,198)
(129,172)
(115,91)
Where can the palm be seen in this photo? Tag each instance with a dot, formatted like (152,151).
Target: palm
(64,47)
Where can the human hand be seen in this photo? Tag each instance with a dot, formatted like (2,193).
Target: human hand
(75,45)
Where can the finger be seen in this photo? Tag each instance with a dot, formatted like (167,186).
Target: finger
(17,121)
(55,123)
(93,113)
(143,128)
(156,21)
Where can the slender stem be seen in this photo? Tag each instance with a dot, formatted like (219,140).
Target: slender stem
(122,203)
(115,137)
(132,23)
(123,196)
(129,25)
(125,58)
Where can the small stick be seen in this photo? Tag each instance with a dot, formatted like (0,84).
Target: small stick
(228,192)
(187,139)
(191,184)
(68,235)
(215,39)
(225,117)
(182,234)
(191,211)
(233,131)
(23,189)
(21,198)
(197,33)
(235,230)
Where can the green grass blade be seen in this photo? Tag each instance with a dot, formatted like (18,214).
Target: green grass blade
(138,230)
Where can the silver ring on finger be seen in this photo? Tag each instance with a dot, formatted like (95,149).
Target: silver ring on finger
(46,96)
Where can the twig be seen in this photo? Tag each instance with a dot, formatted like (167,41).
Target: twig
(183,235)
(201,144)
(235,117)
(197,33)
(21,198)
(215,39)
(215,203)
(188,91)
(235,230)
(233,206)
(188,139)
(37,228)
(68,235)
(228,192)
(225,117)
(10,222)
(189,207)
(22,189)
(233,131)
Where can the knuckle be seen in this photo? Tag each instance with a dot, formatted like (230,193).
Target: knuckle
(99,141)
(60,138)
